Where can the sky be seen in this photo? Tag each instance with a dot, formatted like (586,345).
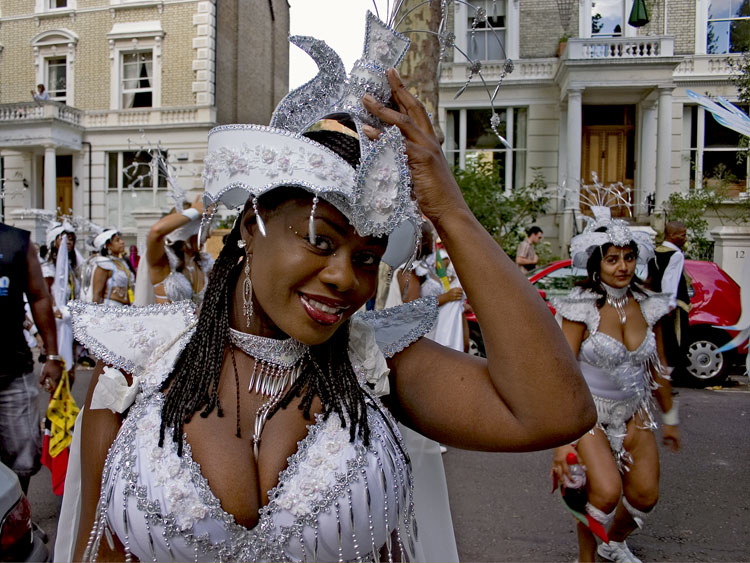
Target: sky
(340,23)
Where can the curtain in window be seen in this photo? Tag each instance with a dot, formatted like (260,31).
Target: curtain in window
(136,80)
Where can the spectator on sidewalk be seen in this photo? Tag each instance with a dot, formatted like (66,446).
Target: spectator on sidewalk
(20,273)
(526,257)
(666,273)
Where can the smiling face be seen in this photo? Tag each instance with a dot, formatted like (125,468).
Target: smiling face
(302,289)
(617,266)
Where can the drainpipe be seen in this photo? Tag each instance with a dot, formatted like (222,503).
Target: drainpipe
(90,186)
(665,16)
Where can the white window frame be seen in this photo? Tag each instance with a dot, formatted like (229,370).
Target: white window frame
(137,90)
(701,29)
(584,20)
(44,6)
(512,25)
(46,81)
(54,44)
(508,170)
(698,174)
(126,38)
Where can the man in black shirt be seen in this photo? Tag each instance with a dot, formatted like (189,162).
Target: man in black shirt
(20,273)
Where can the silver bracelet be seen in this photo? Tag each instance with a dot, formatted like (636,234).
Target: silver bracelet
(191,213)
(672,416)
(55,358)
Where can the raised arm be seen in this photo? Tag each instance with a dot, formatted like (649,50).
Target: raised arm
(98,431)
(528,394)
(158,262)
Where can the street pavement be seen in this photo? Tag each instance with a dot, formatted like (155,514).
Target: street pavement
(503,510)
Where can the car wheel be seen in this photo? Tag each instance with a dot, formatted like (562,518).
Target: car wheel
(705,364)
(476,344)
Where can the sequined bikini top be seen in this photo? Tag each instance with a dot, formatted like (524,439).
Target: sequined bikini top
(629,369)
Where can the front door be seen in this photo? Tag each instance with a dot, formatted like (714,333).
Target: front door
(65,195)
(604,153)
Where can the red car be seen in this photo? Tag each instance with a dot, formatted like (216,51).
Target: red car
(715,301)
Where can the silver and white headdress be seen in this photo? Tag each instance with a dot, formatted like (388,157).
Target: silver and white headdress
(103,238)
(602,229)
(57,228)
(247,161)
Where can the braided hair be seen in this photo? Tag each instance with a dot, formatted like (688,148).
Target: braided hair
(326,372)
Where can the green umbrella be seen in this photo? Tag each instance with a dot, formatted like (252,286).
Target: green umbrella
(639,14)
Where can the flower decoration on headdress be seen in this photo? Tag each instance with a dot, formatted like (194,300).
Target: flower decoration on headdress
(602,229)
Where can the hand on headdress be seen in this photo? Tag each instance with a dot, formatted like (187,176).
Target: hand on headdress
(433,183)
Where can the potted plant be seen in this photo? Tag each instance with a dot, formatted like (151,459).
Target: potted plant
(562,44)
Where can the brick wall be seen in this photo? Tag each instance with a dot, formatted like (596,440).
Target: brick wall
(680,23)
(541,28)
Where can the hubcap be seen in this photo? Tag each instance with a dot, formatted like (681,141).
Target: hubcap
(704,361)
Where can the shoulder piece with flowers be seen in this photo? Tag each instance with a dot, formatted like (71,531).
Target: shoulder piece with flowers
(143,342)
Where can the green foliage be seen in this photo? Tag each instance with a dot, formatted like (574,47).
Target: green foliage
(505,216)
(692,206)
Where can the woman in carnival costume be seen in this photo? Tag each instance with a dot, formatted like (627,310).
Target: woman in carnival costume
(177,269)
(612,324)
(113,280)
(296,455)
(60,270)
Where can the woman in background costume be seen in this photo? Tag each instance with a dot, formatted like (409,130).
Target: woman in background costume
(113,280)
(612,324)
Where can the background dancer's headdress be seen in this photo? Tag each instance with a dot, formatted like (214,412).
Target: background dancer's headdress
(602,229)
(103,238)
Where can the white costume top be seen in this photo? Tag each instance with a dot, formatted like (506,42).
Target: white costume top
(177,286)
(619,379)
(337,500)
(121,277)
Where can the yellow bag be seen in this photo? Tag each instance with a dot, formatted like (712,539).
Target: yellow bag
(61,413)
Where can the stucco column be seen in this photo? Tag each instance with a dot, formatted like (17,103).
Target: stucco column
(50,179)
(647,160)
(573,176)
(663,147)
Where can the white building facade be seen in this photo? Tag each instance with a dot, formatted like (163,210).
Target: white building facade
(610,100)
(123,76)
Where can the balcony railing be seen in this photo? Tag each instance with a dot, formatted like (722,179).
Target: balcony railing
(171,116)
(35,111)
(646,47)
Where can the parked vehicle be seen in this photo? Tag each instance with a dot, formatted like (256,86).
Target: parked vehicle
(714,299)
(20,540)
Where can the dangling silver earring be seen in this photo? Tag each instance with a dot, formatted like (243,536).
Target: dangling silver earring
(311,222)
(595,277)
(258,218)
(247,293)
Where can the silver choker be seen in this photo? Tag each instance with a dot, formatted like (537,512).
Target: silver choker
(277,365)
(617,298)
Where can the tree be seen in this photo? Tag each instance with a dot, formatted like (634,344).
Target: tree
(506,216)
(419,68)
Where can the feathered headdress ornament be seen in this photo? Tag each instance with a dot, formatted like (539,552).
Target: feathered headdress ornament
(602,229)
